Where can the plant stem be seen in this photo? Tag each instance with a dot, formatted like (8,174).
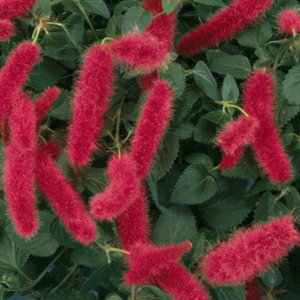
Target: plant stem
(24,275)
(132,292)
(233,106)
(72,270)
(188,73)
(118,250)
(117,138)
(159,14)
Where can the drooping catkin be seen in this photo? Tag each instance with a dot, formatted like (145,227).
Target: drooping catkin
(91,101)
(20,165)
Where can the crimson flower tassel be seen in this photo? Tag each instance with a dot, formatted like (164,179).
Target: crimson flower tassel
(93,91)
(15,73)
(226,24)
(150,128)
(250,252)
(133,223)
(42,105)
(253,291)
(139,50)
(163,28)
(289,22)
(12,9)
(229,160)
(6,29)
(20,165)
(149,264)
(65,200)
(120,193)
(259,102)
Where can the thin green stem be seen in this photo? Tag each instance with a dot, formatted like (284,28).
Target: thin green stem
(117,138)
(188,73)
(132,292)
(70,273)
(233,106)
(159,14)
(118,250)
(106,39)
(24,275)
(282,194)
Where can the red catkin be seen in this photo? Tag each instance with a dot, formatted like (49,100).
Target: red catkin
(12,9)
(139,50)
(289,22)
(14,74)
(259,102)
(163,28)
(7,29)
(250,252)
(225,24)
(133,223)
(151,125)
(65,200)
(151,264)
(42,105)
(20,165)
(92,95)
(121,192)
(253,291)
(230,160)
(239,133)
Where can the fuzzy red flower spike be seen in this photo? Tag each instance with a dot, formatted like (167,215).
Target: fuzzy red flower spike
(289,22)
(7,29)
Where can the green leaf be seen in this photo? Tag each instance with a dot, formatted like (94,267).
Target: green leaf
(94,179)
(42,9)
(230,293)
(68,295)
(166,155)
(151,292)
(286,111)
(62,236)
(256,36)
(218,117)
(272,278)
(169,5)
(205,132)
(99,277)
(236,65)
(205,81)
(229,212)
(11,256)
(96,6)
(211,2)
(176,225)
(45,75)
(184,130)
(245,169)
(184,105)
(230,91)
(198,249)
(113,297)
(268,207)
(89,257)
(194,186)
(291,86)
(174,74)
(42,243)
(136,17)
(265,184)
(62,106)
(199,159)
(293,201)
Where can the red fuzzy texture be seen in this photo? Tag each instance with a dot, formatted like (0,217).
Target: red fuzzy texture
(93,92)
(148,80)
(239,133)
(52,148)
(120,193)
(229,160)
(20,165)
(151,125)
(139,50)
(12,9)
(151,264)
(226,24)
(179,283)
(42,105)
(253,291)
(250,252)
(163,28)
(133,223)
(65,200)
(5,134)
(14,74)
(288,21)
(7,29)
(259,102)
(145,260)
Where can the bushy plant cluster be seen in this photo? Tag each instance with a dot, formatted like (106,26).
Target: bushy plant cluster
(150,149)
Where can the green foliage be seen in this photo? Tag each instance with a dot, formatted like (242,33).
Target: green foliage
(189,197)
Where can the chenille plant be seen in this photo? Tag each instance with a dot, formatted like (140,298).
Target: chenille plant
(150,149)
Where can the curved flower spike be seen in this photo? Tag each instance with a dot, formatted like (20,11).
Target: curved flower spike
(226,24)
(12,9)
(6,29)
(289,22)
